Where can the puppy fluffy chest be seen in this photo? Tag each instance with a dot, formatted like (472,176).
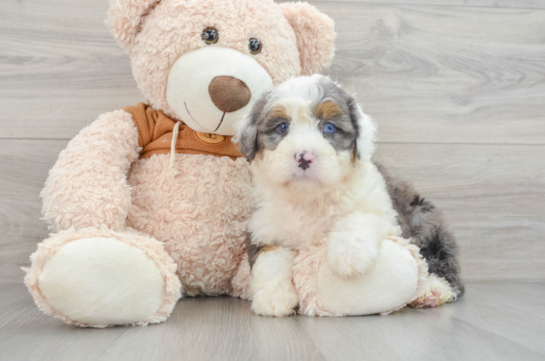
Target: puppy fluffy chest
(293,225)
(296,221)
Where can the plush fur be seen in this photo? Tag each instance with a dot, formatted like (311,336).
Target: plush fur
(309,25)
(315,184)
(200,215)
(192,225)
(92,316)
(95,183)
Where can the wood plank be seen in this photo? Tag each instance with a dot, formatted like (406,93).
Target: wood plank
(219,329)
(491,195)
(518,4)
(493,307)
(427,334)
(199,329)
(24,167)
(60,68)
(427,73)
(225,329)
(27,334)
(21,230)
(11,293)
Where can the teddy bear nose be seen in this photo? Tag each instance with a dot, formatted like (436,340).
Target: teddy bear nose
(229,94)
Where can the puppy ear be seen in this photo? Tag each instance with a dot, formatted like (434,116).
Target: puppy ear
(247,134)
(366,130)
(125,18)
(247,137)
(315,35)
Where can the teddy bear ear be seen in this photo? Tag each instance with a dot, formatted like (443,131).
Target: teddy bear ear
(315,34)
(125,18)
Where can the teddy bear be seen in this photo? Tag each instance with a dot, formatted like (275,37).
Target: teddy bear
(151,201)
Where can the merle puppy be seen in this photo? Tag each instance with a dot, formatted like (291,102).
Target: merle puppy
(310,148)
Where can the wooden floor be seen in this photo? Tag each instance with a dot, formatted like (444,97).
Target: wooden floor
(457,88)
(495,321)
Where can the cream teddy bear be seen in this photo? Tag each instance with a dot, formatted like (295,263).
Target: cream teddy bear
(150,202)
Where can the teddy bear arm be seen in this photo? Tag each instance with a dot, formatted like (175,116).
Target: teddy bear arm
(88,186)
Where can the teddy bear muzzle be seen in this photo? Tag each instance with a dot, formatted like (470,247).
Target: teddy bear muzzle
(213,88)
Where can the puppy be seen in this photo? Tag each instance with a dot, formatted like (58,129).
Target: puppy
(310,148)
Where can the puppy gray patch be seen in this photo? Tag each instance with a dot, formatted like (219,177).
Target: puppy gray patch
(267,128)
(249,135)
(261,132)
(346,120)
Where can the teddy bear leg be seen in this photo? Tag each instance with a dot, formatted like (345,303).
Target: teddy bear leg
(398,277)
(98,277)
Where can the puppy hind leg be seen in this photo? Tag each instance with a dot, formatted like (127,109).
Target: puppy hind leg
(437,244)
(439,292)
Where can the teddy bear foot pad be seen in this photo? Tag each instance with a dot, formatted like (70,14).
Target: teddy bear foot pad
(103,280)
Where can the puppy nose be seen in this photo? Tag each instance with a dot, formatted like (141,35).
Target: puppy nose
(229,94)
(305,159)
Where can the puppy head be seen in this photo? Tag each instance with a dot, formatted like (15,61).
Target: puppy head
(307,134)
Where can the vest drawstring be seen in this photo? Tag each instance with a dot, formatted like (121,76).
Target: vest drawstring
(172,166)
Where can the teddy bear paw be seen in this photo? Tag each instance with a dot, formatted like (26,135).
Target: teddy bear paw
(103,280)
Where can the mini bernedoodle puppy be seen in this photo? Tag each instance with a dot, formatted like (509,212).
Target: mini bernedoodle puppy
(310,148)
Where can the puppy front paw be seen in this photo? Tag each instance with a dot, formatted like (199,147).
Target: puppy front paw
(273,291)
(278,302)
(351,257)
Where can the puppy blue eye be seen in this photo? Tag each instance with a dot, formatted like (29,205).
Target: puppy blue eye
(330,128)
(282,128)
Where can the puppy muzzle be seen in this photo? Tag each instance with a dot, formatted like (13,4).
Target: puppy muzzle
(304,159)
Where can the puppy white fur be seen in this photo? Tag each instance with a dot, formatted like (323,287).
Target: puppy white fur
(310,147)
(273,291)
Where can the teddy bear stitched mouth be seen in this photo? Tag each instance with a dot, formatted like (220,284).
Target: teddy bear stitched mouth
(195,120)
(221,121)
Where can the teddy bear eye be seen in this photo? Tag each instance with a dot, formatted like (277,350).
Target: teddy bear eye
(254,45)
(210,36)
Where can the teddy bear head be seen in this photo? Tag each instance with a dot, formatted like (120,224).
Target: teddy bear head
(206,62)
